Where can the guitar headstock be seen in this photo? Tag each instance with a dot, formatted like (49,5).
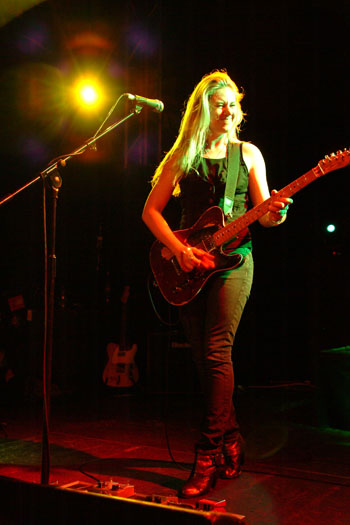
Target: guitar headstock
(335,161)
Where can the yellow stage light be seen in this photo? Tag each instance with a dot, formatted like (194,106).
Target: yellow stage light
(88,94)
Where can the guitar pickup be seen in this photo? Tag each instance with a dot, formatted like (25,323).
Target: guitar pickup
(208,244)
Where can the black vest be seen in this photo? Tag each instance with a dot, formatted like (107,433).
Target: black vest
(204,187)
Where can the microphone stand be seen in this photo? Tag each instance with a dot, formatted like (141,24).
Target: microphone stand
(52,176)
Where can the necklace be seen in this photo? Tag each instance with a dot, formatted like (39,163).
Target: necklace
(216,152)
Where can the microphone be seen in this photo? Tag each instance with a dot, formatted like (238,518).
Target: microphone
(156,105)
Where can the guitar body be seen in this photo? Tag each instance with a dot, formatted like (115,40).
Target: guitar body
(121,370)
(177,286)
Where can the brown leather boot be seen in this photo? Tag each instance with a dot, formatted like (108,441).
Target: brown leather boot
(234,459)
(205,471)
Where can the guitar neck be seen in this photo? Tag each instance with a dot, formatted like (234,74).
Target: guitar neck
(231,230)
(122,335)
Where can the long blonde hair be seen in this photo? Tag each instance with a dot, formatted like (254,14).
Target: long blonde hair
(194,127)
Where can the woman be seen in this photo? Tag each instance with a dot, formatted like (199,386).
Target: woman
(195,169)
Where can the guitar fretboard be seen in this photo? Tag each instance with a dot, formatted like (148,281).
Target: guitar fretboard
(231,230)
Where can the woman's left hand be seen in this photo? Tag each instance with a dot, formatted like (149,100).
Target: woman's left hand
(278,208)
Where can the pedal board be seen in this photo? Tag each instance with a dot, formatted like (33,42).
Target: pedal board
(109,488)
(113,488)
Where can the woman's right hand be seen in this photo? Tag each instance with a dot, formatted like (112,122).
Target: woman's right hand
(191,257)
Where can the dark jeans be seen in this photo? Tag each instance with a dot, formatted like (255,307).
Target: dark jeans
(210,323)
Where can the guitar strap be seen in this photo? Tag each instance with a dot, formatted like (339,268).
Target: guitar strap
(233,161)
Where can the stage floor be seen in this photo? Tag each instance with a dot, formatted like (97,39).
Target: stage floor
(296,472)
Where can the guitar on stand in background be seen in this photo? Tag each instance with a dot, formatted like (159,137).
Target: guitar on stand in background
(121,370)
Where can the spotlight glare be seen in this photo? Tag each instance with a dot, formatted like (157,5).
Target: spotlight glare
(330,228)
(88,94)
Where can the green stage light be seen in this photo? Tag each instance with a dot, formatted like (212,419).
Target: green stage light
(331,228)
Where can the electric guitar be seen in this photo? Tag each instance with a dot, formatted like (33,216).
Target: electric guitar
(210,233)
(121,370)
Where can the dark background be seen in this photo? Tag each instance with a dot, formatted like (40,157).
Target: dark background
(291,59)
